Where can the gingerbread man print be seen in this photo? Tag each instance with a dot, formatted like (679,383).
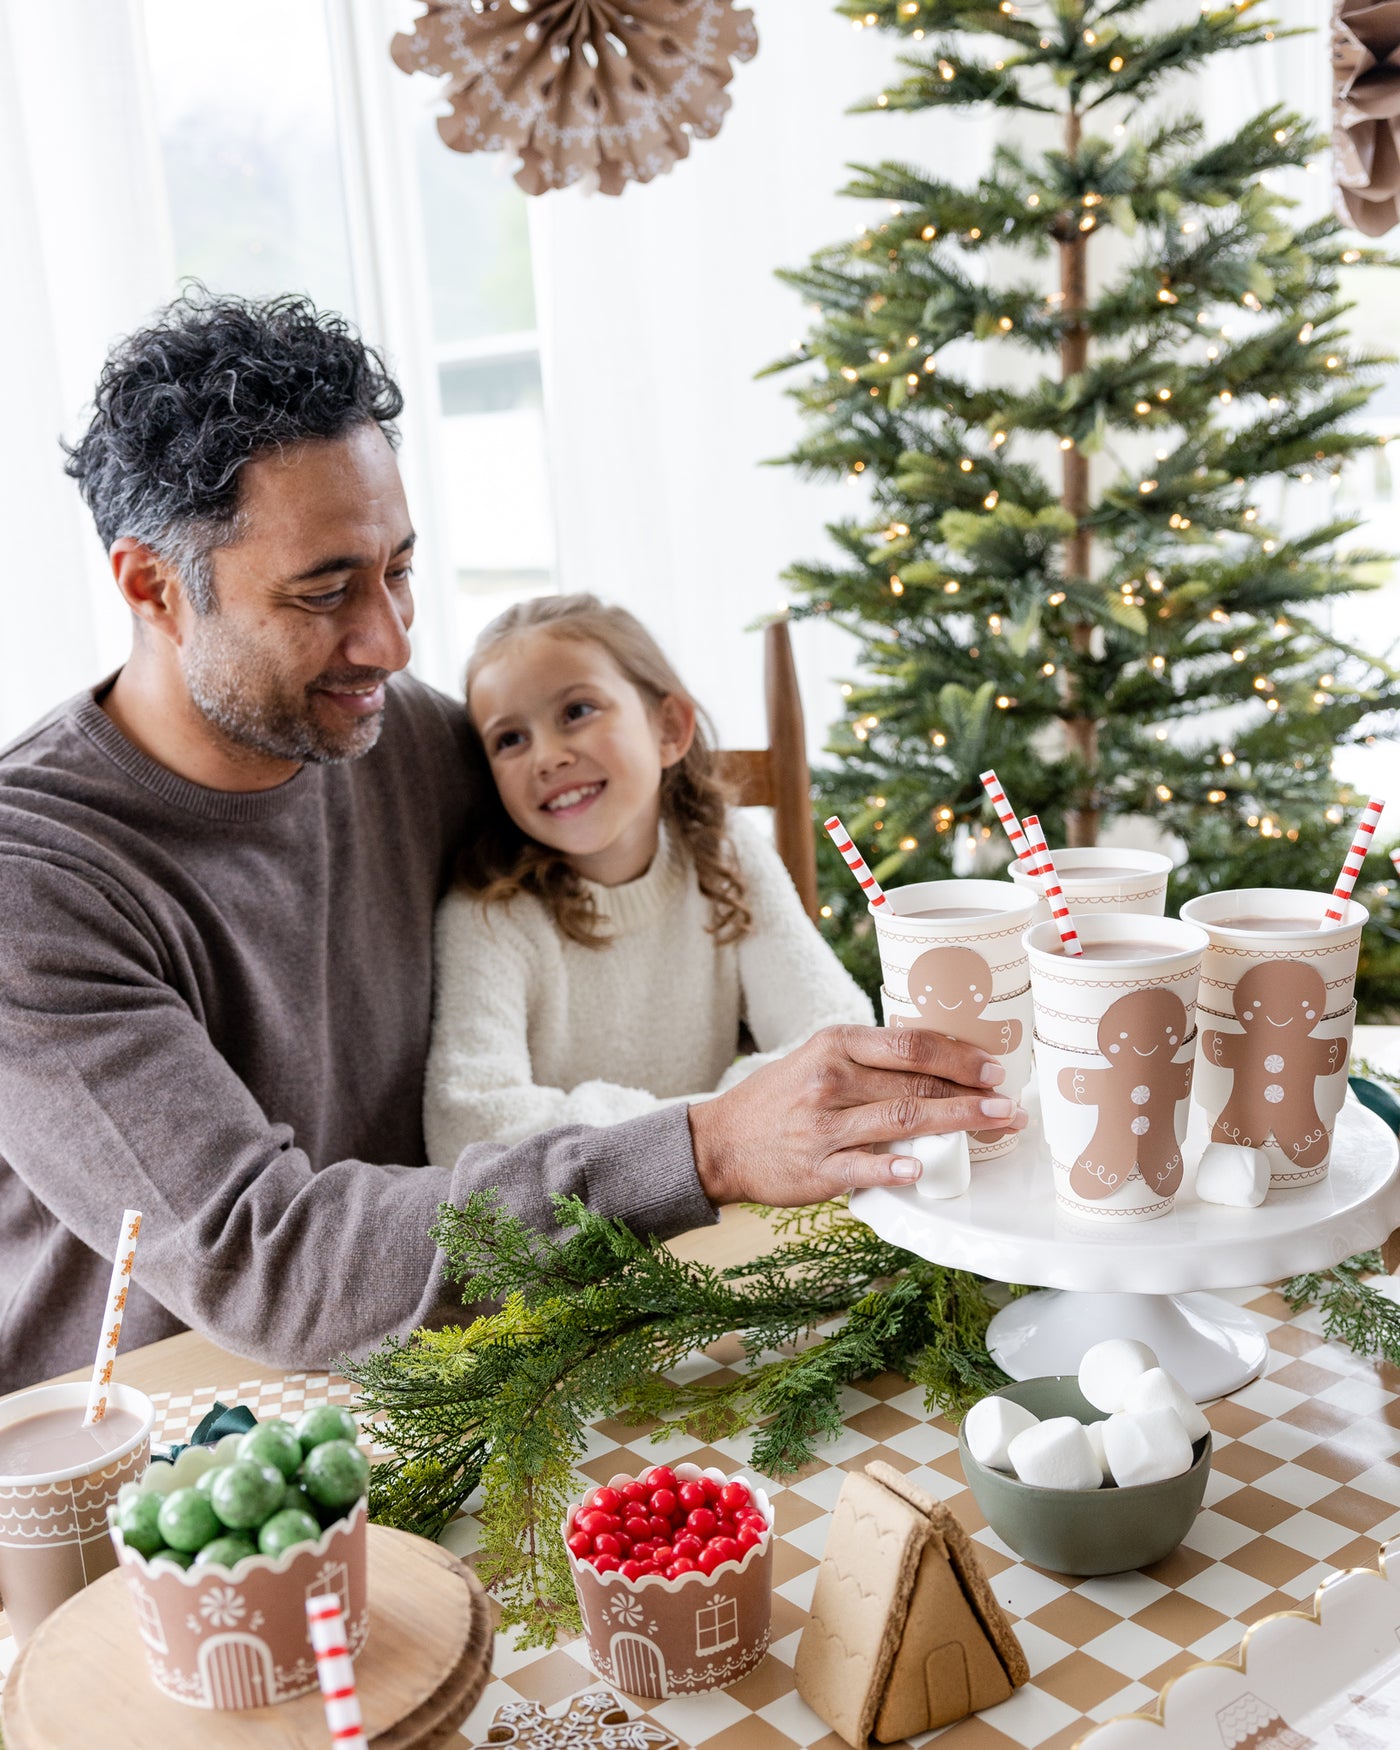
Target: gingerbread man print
(1136,1096)
(951,987)
(1277,1063)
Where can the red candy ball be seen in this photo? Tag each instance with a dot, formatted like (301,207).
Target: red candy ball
(635,1493)
(594,1521)
(701,1521)
(634,1570)
(734,1497)
(748,1537)
(606,1564)
(688,1544)
(662,1477)
(692,1495)
(726,1548)
(663,1502)
(606,1500)
(581,1544)
(680,1566)
(608,1543)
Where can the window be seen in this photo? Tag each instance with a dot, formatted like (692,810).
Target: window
(716,1626)
(260,175)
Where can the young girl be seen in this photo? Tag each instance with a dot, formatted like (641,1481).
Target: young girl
(616,924)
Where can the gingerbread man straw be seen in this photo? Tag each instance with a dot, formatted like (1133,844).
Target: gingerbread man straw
(1355,857)
(112,1317)
(855,862)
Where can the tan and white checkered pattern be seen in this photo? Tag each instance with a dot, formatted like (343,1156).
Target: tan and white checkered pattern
(1303,1482)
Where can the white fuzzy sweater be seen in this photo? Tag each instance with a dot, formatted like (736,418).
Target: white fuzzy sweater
(531,1030)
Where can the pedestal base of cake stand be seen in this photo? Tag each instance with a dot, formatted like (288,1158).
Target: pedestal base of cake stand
(1211,1346)
(1145,1280)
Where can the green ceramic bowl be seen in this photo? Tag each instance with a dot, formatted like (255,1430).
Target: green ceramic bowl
(1098,1531)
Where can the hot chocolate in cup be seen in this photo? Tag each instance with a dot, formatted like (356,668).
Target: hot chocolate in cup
(57,1480)
(953,963)
(1102,879)
(1277,1013)
(1115,1041)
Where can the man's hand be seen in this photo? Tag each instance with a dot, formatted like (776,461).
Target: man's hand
(820,1120)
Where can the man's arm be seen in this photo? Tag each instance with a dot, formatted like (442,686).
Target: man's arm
(112,1095)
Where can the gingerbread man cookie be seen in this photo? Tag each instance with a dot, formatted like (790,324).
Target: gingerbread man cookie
(1136,1096)
(594,1721)
(950,988)
(1276,1062)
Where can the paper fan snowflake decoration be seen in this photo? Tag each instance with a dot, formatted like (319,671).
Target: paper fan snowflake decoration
(609,91)
(1366,113)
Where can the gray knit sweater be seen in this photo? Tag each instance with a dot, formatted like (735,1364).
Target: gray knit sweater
(214,1008)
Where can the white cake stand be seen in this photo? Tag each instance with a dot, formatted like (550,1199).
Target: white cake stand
(1144,1280)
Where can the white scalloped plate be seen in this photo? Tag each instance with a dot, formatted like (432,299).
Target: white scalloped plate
(1322,1678)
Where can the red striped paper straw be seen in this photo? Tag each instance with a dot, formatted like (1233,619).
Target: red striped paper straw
(117,1290)
(855,862)
(1054,894)
(1356,856)
(335,1672)
(991,783)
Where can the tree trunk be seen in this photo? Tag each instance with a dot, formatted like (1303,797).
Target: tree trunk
(1082,732)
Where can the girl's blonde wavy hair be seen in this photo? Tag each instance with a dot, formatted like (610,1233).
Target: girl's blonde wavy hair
(502,861)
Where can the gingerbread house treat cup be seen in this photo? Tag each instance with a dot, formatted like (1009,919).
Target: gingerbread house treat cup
(57,1480)
(706,1627)
(954,962)
(236,1636)
(1276,1017)
(1100,880)
(1115,1041)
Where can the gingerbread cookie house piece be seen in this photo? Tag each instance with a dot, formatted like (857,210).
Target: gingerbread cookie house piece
(905,1634)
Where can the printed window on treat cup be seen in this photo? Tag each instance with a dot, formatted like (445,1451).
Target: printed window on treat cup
(716,1626)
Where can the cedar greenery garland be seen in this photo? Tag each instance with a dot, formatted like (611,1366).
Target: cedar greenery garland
(588,1324)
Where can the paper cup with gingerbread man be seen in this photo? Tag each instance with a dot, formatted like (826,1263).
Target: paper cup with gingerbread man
(1276,1023)
(954,963)
(1115,1041)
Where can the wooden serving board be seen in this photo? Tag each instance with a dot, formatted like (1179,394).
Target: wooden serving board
(82,1678)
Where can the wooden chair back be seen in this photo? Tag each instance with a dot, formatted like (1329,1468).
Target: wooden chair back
(777,776)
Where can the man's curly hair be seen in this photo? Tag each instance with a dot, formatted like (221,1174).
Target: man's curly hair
(212,382)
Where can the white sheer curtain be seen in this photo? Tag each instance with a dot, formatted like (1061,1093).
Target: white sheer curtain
(81,218)
(657,308)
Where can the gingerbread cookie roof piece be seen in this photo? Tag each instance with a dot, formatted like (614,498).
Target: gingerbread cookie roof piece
(596,1720)
(905,1633)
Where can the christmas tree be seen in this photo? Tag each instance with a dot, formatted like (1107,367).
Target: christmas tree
(1072,565)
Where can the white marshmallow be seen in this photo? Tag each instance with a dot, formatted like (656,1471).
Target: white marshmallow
(1106,1369)
(1157,1390)
(1056,1455)
(1145,1446)
(1095,1432)
(945,1160)
(991,1425)
(1237,1177)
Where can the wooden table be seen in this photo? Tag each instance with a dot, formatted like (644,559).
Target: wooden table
(1303,1483)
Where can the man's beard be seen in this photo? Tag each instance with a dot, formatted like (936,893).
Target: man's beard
(237,690)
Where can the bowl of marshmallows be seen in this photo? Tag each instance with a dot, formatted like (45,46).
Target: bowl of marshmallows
(1090,1475)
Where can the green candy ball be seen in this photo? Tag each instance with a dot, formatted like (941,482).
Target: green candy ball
(286,1528)
(326,1422)
(335,1474)
(187,1520)
(181,1557)
(137,1521)
(225,1552)
(294,1497)
(273,1443)
(205,1480)
(245,1493)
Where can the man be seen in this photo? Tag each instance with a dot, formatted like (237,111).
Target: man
(218,872)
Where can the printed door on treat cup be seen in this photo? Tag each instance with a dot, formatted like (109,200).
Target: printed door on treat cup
(638,1666)
(237,1671)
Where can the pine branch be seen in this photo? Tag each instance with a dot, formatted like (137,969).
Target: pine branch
(1353,1312)
(590,1321)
